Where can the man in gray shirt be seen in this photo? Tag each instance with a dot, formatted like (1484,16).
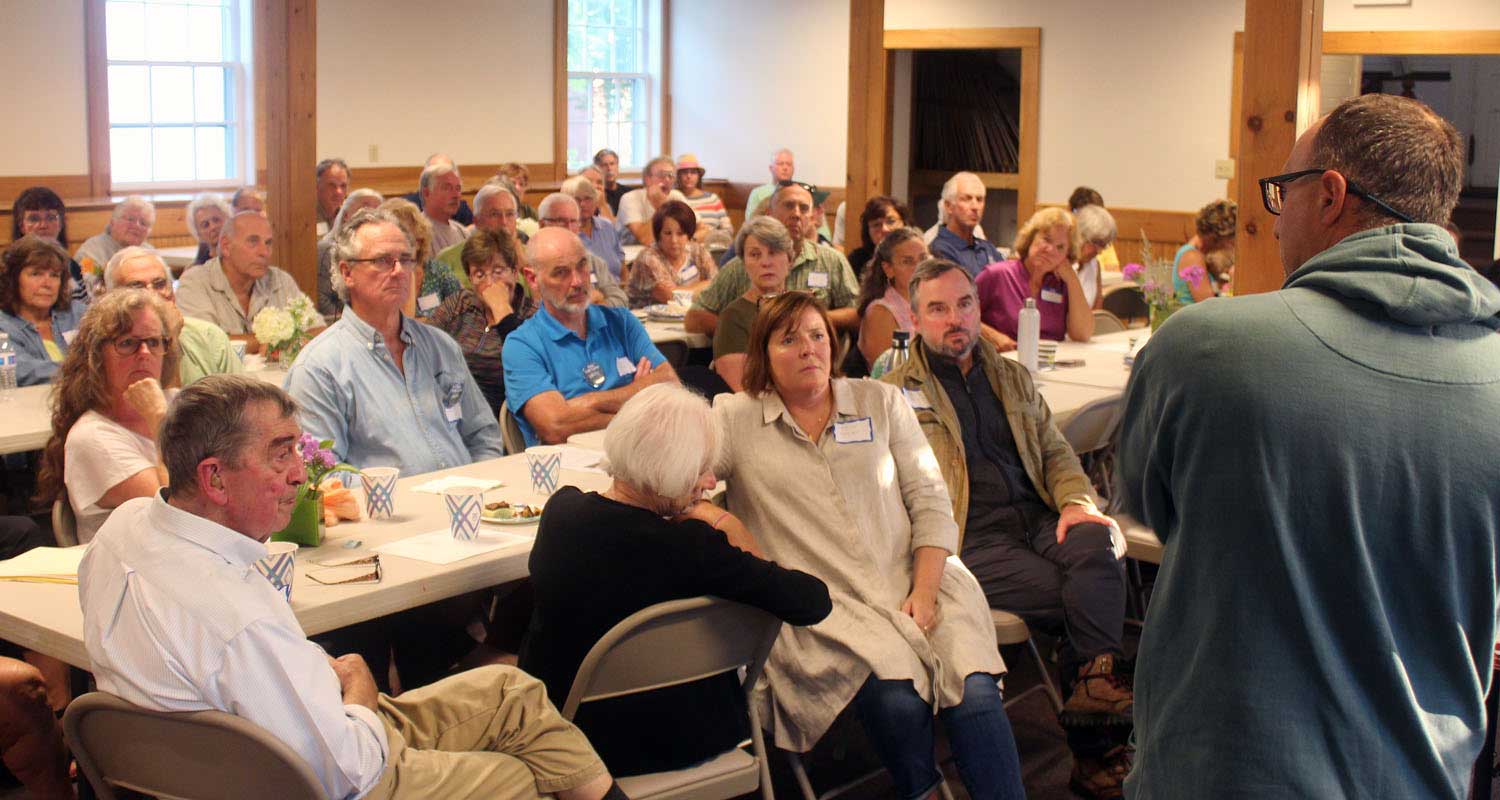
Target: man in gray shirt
(231,289)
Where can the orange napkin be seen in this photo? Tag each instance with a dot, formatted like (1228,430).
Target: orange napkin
(339,503)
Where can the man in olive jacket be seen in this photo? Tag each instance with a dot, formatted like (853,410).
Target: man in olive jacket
(1028,527)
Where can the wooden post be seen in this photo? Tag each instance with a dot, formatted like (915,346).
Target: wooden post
(869,117)
(289,52)
(1283,52)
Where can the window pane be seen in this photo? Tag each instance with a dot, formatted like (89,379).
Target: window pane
(167,33)
(129,95)
(206,34)
(172,154)
(130,154)
(208,94)
(171,94)
(626,53)
(125,31)
(213,156)
(578,98)
(598,13)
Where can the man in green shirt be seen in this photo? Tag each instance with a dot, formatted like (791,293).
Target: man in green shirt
(816,268)
(206,349)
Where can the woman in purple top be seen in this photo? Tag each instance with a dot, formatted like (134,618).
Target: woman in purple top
(1048,246)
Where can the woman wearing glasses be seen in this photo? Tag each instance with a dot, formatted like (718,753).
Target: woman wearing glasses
(39,211)
(481,316)
(36,308)
(1192,279)
(107,404)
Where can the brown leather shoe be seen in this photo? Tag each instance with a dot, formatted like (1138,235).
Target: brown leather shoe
(1102,778)
(1100,697)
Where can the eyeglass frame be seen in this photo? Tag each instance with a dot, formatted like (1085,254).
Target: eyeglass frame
(155,286)
(119,344)
(1281,181)
(496,274)
(42,217)
(386,263)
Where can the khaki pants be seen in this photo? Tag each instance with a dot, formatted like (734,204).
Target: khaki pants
(489,732)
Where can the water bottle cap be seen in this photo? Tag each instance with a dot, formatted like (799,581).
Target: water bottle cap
(901,336)
(1031,302)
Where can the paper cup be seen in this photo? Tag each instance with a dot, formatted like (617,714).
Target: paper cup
(279,566)
(464,504)
(545,463)
(239,346)
(1046,353)
(380,491)
(683,297)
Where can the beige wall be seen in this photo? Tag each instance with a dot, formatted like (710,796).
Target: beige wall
(1420,15)
(43,127)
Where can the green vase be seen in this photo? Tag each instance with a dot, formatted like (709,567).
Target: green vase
(306,525)
(1159,315)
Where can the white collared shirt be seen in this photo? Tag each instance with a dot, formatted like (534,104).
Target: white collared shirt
(176,618)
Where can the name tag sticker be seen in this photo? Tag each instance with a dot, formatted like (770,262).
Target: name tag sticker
(687,274)
(429,301)
(68,336)
(453,413)
(1052,296)
(453,409)
(624,366)
(854,431)
(817,280)
(917,399)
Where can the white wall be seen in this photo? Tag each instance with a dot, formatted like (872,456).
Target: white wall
(472,78)
(748,78)
(43,130)
(1421,15)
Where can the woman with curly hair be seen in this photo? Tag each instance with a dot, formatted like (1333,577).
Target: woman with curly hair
(1192,279)
(39,211)
(36,307)
(107,405)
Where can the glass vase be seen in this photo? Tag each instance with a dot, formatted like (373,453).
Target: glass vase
(306,525)
(1159,315)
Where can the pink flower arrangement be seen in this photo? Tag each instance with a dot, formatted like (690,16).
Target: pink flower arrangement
(1133,272)
(1193,274)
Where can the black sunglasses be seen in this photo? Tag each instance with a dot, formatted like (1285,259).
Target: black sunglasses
(1273,192)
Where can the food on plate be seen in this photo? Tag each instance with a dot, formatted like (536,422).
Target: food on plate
(504,510)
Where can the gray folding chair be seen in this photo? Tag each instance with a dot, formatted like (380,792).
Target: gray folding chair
(510,432)
(64,523)
(1011,629)
(190,755)
(1106,322)
(674,643)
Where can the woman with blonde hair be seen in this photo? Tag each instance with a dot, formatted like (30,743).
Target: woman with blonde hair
(1046,249)
(1192,278)
(108,402)
(433,281)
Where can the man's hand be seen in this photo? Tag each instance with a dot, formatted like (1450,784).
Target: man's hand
(642,372)
(656,194)
(355,680)
(921,606)
(1075,514)
(146,397)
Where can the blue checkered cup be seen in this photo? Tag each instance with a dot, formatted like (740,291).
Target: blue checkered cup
(380,491)
(279,566)
(464,504)
(545,464)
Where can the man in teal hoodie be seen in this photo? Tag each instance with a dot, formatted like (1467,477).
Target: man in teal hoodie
(1321,465)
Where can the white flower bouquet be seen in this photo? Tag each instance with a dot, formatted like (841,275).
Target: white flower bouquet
(284,331)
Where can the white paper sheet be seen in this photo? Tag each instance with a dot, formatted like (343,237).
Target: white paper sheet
(439,547)
(437,485)
(44,561)
(581,459)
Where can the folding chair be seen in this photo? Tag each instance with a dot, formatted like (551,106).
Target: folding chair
(510,432)
(1106,322)
(64,523)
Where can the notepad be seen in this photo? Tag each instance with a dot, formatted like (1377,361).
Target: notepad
(44,565)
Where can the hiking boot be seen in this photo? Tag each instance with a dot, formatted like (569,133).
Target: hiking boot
(1102,778)
(1100,697)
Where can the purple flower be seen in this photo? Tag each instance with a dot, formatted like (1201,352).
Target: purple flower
(1193,274)
(1132,271)
(326,459)
(1150,286)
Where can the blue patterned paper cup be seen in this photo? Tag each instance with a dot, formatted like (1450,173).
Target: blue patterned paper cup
(545,464)
(279,566)
(464,504)
(380,491)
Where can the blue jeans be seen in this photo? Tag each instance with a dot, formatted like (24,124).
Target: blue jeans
(899,724)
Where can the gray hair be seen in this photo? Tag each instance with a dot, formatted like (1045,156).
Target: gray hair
(347,248)
(130,254)
(207,420)
(591,168)
(356,196)
(662,440)
(329,163)
(579,187)
(229,224)
(950,186)
(133,201)
(202,201)
(551,201)
(246,190)
(491,188)
(932,269)
(432,172)
(1396,149)
(1095,225)
(668,160)
(778,151)
(768,231)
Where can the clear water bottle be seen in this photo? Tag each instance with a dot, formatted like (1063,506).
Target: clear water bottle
(7,368)
(1028,333)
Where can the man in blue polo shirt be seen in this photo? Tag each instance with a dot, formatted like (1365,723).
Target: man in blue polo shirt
(571,366)
(957,241)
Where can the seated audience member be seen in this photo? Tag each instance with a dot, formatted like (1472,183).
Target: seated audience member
(464,215)
(442,188)
(782,167)
(36,307)
(834,477)
(107,407)
(766,250)
(519,177)
(494,211)
(129,225)
(608,163)
(206,215)
(31,740)
(639,205)
(1085,196)
(558,210)
(884,306)
(816,268)
(432,280)
(175,618)
(480,317)
(674,262)
(713,217)
(601,202)
(1096,233)
(1027,526)
(1191,278)
(882,215)
(1319,465)
(329,304)
(39,211)
(203,347)
(598,233)
(231,289)
(248,198)
(388,391)
(1046,248)
(571,366)
(650,538)
(333,187)
(963,208)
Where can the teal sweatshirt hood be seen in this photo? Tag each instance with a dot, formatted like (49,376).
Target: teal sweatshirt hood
(1411,271)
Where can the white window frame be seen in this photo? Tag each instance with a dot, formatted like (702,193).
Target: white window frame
(652,44)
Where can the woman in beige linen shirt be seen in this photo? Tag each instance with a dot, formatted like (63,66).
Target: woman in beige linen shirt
(860,503)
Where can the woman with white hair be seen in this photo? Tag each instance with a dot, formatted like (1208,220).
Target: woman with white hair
(1096,232)
(329,304)
(206,215)
(649,538)
(599,235)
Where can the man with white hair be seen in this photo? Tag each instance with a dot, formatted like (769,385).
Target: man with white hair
(782,167)
(205,347)
(465,214)
(231,289)
(638,205)
(559,210)
(333,187)
(495,209)
(442,189)
(572,366)
(963,205)
(129,226)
